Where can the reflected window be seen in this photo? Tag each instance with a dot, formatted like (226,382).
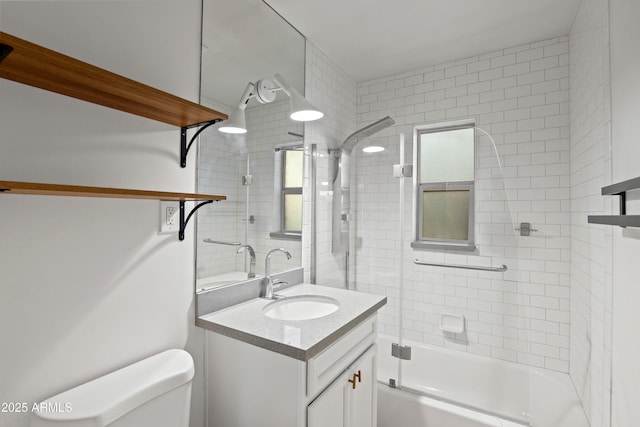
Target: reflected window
(289,166)
(444,186)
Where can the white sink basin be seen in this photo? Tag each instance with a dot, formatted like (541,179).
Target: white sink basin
(301,307)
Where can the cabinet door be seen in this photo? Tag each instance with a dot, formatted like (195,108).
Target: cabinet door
(329,408)
(350,401)
(361,400)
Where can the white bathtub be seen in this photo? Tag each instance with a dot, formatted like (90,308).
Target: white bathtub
(402,408)
(458,389)
(220,280)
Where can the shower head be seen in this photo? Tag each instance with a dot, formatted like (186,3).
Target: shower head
(375,127)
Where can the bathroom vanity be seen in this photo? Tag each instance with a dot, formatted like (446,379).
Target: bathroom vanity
(308,359)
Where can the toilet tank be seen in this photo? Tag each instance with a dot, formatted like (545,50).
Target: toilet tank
(153,392)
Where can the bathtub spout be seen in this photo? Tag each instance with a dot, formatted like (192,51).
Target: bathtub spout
(252,263)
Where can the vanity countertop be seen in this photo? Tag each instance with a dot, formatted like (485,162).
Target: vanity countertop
(301,339)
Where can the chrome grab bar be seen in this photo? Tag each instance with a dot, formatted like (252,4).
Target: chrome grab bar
(220,242)
(503,267)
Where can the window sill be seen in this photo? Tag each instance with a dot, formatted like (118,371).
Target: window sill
(466,247)
(285,236)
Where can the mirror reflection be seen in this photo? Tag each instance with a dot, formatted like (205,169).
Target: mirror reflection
(259,171)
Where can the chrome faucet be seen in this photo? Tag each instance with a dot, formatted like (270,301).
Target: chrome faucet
(268,281)
(252,263)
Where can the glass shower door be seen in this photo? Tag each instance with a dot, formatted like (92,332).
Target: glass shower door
(463,320)
(458,334)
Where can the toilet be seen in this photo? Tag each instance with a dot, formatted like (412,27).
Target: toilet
(154,392)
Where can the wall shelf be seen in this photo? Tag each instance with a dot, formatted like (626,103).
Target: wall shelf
(37,66)
(12,187)
(28,63)
(33,188)
(619,220)
(623,220)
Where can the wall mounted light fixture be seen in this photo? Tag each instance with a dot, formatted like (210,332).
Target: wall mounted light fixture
(264,91)
(301,109)
(373,149)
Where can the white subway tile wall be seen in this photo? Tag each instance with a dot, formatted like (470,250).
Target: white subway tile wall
(591,245)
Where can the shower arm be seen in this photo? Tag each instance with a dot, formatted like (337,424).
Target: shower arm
(350,143)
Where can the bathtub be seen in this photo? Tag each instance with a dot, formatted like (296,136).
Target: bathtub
(402,408)
(220,280)
(448,388)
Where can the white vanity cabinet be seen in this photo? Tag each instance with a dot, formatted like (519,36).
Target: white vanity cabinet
(249,385)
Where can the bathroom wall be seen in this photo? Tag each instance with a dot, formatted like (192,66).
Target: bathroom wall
(88,285)
(520,96)
(591,245)
(334,93)
(625,107)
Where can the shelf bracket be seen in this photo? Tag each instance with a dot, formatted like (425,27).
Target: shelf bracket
(183,221)
(5,50)
(184,147)
(622,220)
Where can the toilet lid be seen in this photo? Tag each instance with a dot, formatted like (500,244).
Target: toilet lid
(105,399)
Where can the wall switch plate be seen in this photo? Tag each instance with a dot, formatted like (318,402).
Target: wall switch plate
(169,217)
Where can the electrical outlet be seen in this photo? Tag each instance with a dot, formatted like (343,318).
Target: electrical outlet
(169,217)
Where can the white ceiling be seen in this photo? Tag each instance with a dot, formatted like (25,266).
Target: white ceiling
(375,38)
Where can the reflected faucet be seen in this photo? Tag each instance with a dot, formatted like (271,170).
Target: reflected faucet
(268,282)
(252,264)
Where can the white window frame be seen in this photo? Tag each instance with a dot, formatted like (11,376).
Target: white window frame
(419,242)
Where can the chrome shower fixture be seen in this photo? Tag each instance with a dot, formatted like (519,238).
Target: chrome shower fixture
(366,132)
(264,91)
(341,203)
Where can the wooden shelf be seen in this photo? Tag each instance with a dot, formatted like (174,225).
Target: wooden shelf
(33,65)
(11,187)
(33,188)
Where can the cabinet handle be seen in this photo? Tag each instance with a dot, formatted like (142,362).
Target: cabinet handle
(353,380)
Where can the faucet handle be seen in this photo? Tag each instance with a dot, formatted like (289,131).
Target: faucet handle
(277,284)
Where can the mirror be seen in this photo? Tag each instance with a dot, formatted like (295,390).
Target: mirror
(257,171)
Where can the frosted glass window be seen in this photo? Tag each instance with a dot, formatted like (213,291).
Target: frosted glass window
(293,168)
(444,198)
(447,156)
(293,213)
(445,214)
